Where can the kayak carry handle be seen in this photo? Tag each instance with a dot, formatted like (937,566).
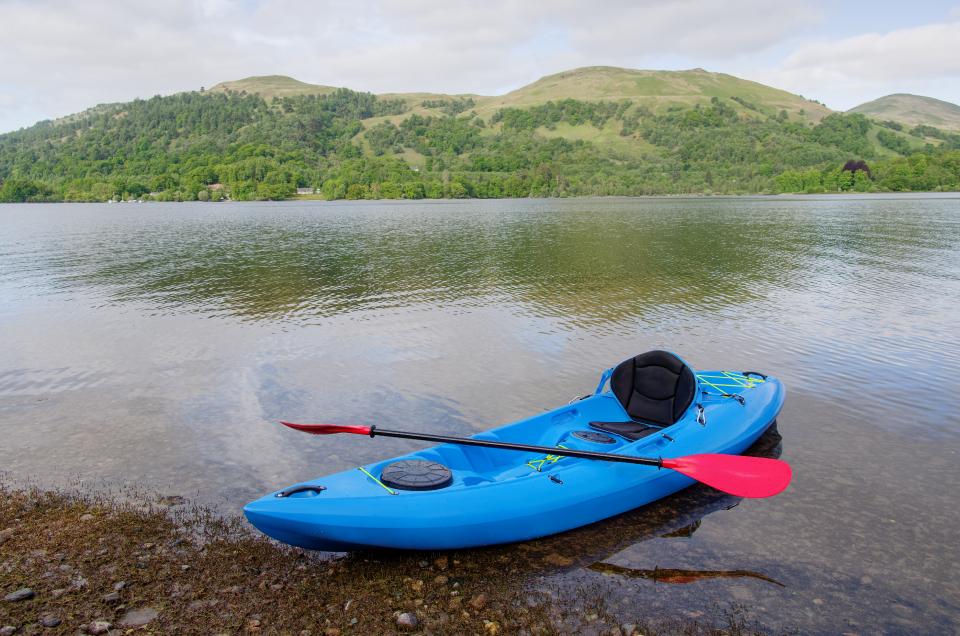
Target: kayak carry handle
(296,489)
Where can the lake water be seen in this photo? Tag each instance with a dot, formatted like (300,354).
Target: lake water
(161,343)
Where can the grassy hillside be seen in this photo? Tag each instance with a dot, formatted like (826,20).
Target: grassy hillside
(657,90)
(907,142)
(913,110)
(269,86)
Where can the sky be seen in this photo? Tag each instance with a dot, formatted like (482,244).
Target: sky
(58,57)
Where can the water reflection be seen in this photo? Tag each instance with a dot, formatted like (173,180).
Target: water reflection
(298,268)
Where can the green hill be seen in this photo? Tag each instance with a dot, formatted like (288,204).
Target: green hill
(657,90)
(596,131)
(913,110)
(269,86)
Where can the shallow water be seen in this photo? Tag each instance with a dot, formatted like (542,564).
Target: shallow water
(160,343)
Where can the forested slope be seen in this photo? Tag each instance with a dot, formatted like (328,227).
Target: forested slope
(354,145)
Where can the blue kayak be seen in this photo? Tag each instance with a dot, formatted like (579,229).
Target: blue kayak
(455,496)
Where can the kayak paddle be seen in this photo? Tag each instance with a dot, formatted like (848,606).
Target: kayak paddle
(733,474)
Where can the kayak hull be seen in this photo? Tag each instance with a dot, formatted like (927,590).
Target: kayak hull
(500,496)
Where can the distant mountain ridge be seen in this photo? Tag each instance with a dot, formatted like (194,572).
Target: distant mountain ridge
(914,110)
(657,90)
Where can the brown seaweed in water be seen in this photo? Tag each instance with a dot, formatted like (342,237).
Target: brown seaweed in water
(678,576)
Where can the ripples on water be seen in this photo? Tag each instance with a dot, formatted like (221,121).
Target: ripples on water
(162,342)
(845,288)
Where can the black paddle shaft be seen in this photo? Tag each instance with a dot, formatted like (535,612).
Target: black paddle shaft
(563,452)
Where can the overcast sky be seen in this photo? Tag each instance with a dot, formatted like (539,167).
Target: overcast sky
(58,57)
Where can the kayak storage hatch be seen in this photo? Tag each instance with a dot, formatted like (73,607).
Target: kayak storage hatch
(458,496)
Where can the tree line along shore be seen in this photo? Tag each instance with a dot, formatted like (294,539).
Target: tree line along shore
(351,145)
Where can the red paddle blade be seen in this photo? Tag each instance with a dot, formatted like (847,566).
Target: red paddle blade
(328,429)
(741,476)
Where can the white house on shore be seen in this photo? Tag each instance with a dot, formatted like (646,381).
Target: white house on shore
(304,190)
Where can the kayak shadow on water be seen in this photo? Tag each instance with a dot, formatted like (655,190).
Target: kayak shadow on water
(678,515)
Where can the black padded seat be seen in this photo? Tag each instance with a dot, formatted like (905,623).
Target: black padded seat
(655,388)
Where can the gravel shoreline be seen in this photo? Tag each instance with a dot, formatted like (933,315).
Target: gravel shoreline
(79,563)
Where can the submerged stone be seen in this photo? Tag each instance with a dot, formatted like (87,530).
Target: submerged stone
(22,594)
(139,617)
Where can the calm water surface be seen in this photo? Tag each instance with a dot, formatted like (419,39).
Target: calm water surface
(161,343)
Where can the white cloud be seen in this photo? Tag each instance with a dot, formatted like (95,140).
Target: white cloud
(921,52)
(849,71)
(692,28)
(63,55)
(60,56)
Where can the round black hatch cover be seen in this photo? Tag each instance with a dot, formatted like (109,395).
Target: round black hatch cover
(596,438)
(416,474)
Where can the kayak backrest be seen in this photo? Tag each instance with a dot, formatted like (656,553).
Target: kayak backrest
(655,387)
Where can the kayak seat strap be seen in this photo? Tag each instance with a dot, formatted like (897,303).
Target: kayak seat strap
(603,380)
(654,387)
(629,430)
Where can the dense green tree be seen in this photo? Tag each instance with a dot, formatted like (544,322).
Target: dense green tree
(845,180)
(450,108)
(790,181)
(354,192)
(812,181)
(414,190)
(861,181)
(893,141)
(18,190)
